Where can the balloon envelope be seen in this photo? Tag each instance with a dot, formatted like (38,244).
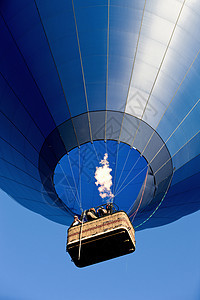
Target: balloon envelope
(79,79)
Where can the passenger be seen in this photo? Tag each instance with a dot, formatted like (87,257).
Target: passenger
(102,211)
(76,221)
(91,214)
(109,208)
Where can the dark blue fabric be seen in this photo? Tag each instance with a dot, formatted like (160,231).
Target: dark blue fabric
(61,60)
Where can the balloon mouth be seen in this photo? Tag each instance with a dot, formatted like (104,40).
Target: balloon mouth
(120,128)
(75,176)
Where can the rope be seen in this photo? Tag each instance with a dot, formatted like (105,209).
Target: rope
(135,213)
(80,177)
(116,168)
(61,84)
(107,55)
(158,204)
(131,77)
(129,172)
(171,100)
(83,75)
(153,87)
(80,236)
(74,179)
(69,183)
(119,191)
(154,83)
(106,148)
(132,180)
(179,150)
(175,129)
(137,45)
(96,152)
(123,168)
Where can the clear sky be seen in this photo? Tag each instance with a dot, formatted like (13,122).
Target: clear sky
(34,264)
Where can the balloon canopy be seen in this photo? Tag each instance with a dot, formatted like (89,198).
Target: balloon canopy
(79,79)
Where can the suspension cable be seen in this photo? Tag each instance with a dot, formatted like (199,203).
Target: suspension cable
(107,55)
(158,204)
(80,177)
(123,168)
(116,161)
(96,152)
(69,184)
(129,172)
(164,145)
(154,83)
(157,77)
(82,70)
(73,179)
(135,212)
(171,100)
(134,60)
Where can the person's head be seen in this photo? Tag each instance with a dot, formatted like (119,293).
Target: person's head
(75,218)
(92,209)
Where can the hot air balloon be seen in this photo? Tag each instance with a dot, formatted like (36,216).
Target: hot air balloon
(79,79)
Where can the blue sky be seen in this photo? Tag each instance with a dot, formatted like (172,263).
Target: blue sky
(34,264)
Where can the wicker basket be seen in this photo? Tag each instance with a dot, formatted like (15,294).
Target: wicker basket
(101,239)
